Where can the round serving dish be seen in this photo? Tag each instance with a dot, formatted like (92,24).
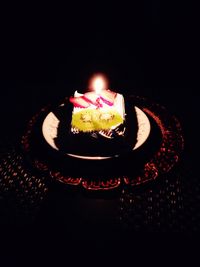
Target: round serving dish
(157,152)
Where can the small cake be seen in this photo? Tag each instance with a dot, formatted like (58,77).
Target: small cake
(98,113)
(96,123)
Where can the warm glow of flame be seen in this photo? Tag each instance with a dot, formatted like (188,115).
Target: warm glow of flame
(98,83)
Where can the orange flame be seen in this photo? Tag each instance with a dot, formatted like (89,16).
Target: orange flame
(98,82)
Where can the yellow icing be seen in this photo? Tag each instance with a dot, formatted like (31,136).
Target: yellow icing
(95,119)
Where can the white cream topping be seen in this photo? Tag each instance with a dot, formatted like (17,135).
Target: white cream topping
(117,106)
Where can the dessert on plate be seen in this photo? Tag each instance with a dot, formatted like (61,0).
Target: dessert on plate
(102,114)
(96,123)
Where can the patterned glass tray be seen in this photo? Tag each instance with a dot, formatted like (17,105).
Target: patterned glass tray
(160,161)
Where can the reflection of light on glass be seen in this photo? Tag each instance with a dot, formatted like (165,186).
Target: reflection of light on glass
(98,83)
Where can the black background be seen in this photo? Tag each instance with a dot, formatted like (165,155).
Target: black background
(146,48)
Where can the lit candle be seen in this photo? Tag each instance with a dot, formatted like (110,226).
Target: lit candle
(98,83)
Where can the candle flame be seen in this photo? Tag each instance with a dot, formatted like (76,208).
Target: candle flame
(98,83)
